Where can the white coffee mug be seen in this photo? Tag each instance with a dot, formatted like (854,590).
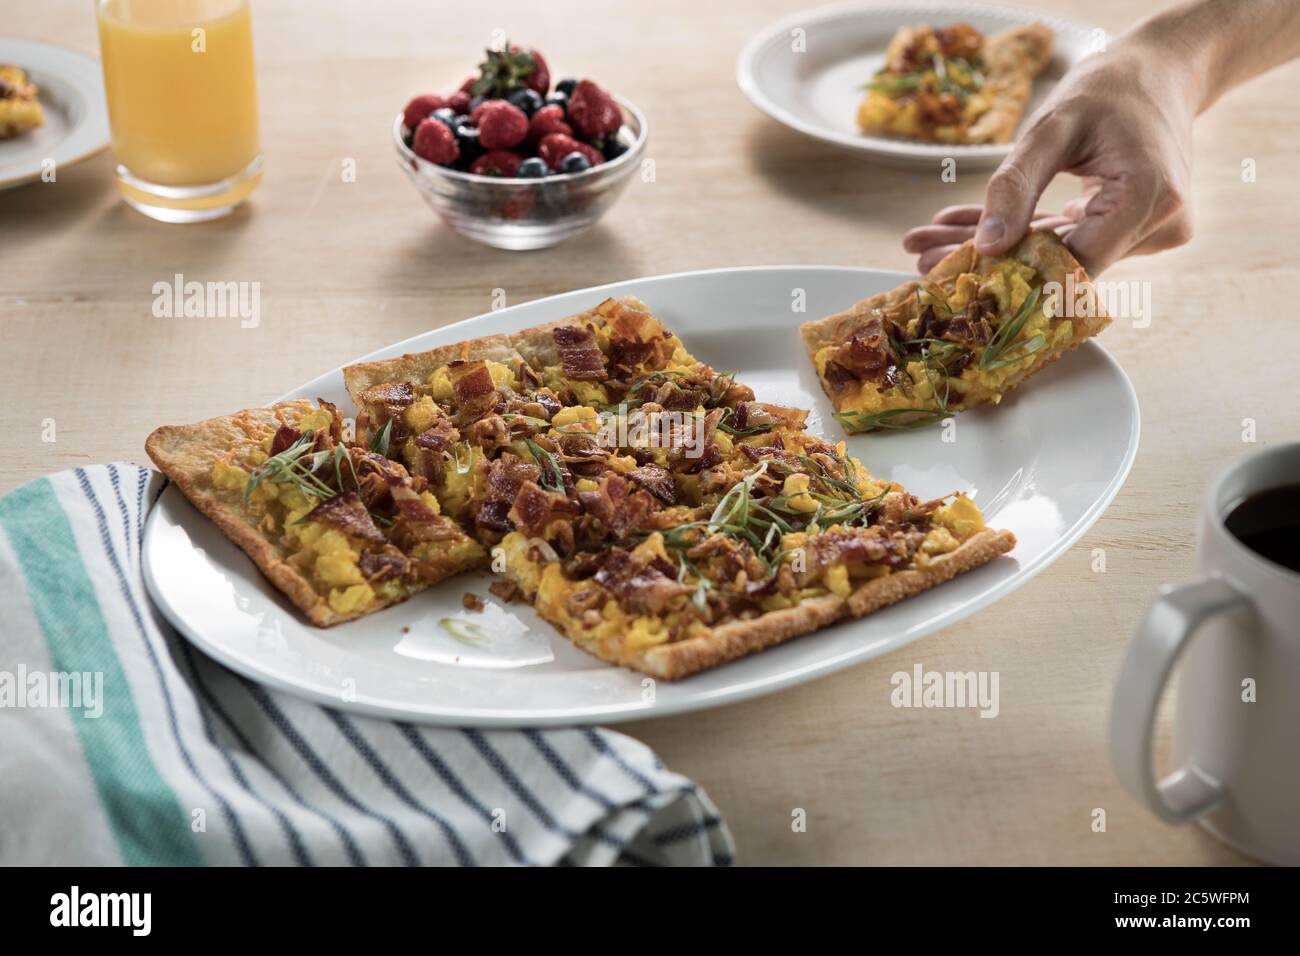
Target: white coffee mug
(1236,628)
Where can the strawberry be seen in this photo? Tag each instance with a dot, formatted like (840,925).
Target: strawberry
(435,142)
(459,101)
(547,120)
(554,147)
(505,71)
(421,107)
(500,125)
(540,78)
(593,112)
(497,162)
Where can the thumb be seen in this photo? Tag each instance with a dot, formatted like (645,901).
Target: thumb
(1013,190)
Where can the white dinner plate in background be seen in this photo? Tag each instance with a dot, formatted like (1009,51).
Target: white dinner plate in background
(76,119)
(812,81)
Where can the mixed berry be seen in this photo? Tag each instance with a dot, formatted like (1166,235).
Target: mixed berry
(509,122)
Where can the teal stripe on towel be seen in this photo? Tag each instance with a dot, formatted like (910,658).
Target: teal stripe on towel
(148,822)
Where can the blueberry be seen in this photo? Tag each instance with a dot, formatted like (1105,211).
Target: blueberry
(575,162)
(467,140)
(561,100)
(446,116)
(565,86)
(532,168)
(530,101)
(614,148)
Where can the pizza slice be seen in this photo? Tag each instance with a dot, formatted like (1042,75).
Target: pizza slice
(954,85)
(965,334)
(340,528)
(781,535)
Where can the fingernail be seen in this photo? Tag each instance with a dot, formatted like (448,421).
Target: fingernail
(990,231)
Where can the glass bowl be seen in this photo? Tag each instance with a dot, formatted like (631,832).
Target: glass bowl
(525,213)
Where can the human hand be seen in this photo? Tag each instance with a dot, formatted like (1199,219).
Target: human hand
(1122,120)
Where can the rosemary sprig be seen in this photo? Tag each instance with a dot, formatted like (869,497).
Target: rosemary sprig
(995,353)
(552,477)
(379,440)
(896,418)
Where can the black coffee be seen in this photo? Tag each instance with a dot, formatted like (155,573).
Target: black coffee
(1269,524)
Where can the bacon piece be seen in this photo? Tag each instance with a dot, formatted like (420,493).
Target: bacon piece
(636,338)
(377,475)
(640,588)
(504,478)
(762,415)
(383,565)
(423,523)
(472,388)
(493,516)
(534,508)
(347,513)
(870,545)
(580,357)
(867,355)
(617,508)
(505,589)
(389,394)
(438,437)
(657,480)
(284,437)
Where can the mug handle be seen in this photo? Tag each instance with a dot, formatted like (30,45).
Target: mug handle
(1188,792)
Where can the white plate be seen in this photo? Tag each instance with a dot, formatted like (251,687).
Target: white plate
(76,120)
(817,90)
(1044,464)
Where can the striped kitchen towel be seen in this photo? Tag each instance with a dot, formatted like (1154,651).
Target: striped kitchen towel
(166,757)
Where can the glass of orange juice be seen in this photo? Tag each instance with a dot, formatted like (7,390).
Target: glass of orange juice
(182,103)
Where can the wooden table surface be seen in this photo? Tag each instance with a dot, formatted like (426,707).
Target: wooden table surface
(348,267)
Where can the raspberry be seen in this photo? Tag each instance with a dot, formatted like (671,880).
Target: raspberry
(435,142)
(420,107)
(500,125)
(498,162)
(468,85)
(556,146)
(459,101)
(593,112)
(547,120)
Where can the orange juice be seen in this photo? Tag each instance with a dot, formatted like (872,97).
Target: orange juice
(182,101)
